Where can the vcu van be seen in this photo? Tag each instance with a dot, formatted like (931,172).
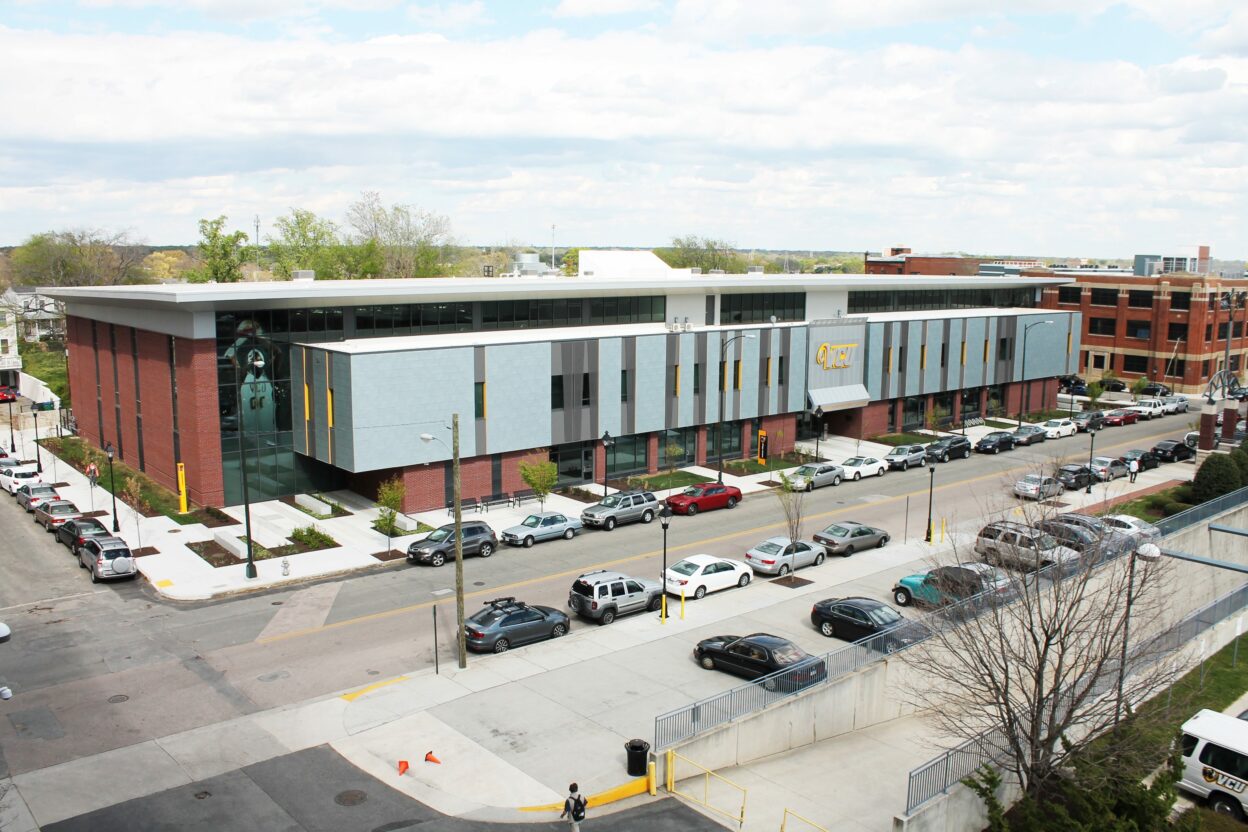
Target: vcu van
(1215,761)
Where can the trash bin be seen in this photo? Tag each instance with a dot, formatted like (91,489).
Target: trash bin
(638,757)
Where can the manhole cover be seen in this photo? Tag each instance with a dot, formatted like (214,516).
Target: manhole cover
(275,603)
(202,795)
(351,797)
(173,531)
(374,672)
(274,676)
(791,581)
(478,583)
(118,699)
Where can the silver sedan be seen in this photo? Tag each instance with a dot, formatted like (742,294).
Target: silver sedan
(817,475)
(780,556)
(847,537)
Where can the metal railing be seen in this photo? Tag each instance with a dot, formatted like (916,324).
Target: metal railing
(807,823)
(1204,511)
(706,801)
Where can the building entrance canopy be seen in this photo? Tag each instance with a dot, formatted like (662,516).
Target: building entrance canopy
(838,398)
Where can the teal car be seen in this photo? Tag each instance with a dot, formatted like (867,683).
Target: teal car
(942,586)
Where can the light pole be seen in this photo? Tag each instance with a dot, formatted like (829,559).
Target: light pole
(723,387)
(665,518)
(931,490)
(34,408)
(112,485)
(607,442)
(12,441)
(461,645)
(5,634)
(1149,552)
(1026,391)
(1091,446)
(818,429)
(257,363)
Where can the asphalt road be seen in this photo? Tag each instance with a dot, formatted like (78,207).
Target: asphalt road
(95,668)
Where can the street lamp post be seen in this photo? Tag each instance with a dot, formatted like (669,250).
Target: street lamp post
(257,363)
(607,442)
(931,490)
(818,429)
(112,485)
(723,388)
(34,408)
(1091,448)
(461,644)
(1026,391)
(665,518)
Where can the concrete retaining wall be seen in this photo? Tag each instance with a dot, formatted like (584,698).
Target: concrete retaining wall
(35,390)
(314,505)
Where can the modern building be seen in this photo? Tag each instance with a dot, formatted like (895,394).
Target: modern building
(328,384)
(1186,260)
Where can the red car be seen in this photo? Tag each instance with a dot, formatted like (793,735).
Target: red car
(7,395)
(1121,417)
(704,497)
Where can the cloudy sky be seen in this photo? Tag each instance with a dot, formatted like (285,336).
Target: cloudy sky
(1070,127)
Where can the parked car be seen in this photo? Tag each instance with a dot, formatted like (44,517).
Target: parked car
(761,655)
(1154,391)
(1173,450)
(538,527)
(697,575)
(1022,547)
(1191,439)
(937,588)
(626,507)
(994,579)
(1141,531)
(438,546)
(107,557)
(1089,420)
(1037,487)
(507,623)
(1114,385)
(1093,546)
(1147,460)
(1028,434)
(30,496)
(1108,469)
(704,496)
(603,594)
(846,537)
(947,448)
(1057,428)
(75,532)
(1088,521)
(817,475)
(1117,418)
(1175,404)
(996,442)
(1149,408)
(15,476)
(857,467)
(53,513)
(903,456)
(1065,383)
(1075,476)
(7,394)
(853,619)
(780,556)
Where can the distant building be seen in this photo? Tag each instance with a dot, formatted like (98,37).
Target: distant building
(10,361)
(35,315)
(1188,260)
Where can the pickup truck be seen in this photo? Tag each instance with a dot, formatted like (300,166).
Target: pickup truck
(1149,408)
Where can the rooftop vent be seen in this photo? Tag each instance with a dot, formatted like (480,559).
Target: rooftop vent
(716,271)
(695,270)
(754,270)
(303,274)
(688,326)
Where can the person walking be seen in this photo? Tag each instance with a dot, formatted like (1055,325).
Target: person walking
(1133,467)
(574,808)
(93,473)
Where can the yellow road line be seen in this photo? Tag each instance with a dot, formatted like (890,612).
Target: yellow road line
(504,588)
(364,691)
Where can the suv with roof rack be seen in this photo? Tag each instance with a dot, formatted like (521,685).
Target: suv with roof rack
(506,623)
(601,595)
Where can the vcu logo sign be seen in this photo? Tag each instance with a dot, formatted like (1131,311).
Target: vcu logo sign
(833,356)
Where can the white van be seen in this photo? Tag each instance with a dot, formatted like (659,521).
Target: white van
(1215,761)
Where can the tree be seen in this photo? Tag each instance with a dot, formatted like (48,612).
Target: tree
(792,497)
(1217,475)
(541,475)
(705,253)
(77,257)
(1095,391)
(166,265)
(412,241)
(1040,672)
(572,262)
(675,452)
(390,500)
(1240,458)
(1137,386)
(304,241)
(222,254)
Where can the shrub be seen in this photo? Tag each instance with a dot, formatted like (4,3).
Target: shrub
(1217,476)
(1183,494)
(1240,459)
(313,538)
(1173,507)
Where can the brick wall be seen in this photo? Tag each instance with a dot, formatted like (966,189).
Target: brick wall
(157,408)
(781,433)
(82,377)
(108,430)
(199,420)
(126,383)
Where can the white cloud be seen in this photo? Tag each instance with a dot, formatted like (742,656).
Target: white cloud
(248,9)
(449,16)
(596,8)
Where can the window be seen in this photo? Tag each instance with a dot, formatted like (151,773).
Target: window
(923,356)
(1104,297)
(920,299)
(556,392)
(1176,368)
(1135,364)
(677,447)
(1101,326)
(1208,332)
(1222,330)
(1139,329)
(1176,332)
(760,307)
(1181,300)
(944,355)
(1069,294)
(627,455)
(736,374)
(1239,329)
(4,346)
(1005,349)
(1204,369)
(723,375)
(782,379)
(479,399)
(767,380)
(901,358)
(586,392)
(697,379)
(1140,299)
(1225,760)
(624,384)
(1235,363)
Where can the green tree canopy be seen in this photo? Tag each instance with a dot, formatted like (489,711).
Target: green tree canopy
(305,241)
(77,257)
(705,253)
(222,254)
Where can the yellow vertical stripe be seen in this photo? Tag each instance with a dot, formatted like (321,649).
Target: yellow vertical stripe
(964,353)
(307,405)
(329,402)
(676,391)
(1068,342)
(740,370)
(888,365)
(985,350)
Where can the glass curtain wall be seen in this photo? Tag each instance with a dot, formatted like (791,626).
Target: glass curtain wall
(678,448)
(627,455)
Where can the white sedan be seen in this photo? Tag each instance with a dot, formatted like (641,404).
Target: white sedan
(697,575)
(857,467)
(1057,428)
(1135,527)
(14,478)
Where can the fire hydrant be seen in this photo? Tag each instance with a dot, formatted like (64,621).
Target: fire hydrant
(285,567)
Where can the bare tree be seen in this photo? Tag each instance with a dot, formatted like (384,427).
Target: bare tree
(78,257)
(412,240)
(1036,667)
(792,497)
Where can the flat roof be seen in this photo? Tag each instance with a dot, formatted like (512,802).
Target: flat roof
(922,314)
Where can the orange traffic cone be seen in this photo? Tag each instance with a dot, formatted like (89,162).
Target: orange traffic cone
(429,758)
(402,767)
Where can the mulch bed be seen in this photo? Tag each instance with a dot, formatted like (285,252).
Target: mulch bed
(212,518)
(579,494)
(145,551)
(393,554)
(792,581)
(100,513)
(213,553)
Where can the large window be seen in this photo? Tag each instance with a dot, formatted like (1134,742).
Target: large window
(729,444)
(478,399)
(1140,299)
(556,392)
(913,412)
(1104,297)
(1176,367)
(1069,294)
(678,448)
(1101,326)
(760,307)
(528,313)
(1135,364)
(1181,300)
(1176,332)
(921,299)
(627,455)
(970,402)
(1139,329)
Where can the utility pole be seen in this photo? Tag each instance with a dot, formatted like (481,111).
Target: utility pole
(257,242)
(460,638)
(552,246)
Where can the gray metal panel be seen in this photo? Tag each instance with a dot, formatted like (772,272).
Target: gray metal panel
(671,368)
(747,396)
(686,402)
(651,377)
(517,389)
(796,392)
(478,375)
(613,414)
(914,341)
(344,411)
(300,440)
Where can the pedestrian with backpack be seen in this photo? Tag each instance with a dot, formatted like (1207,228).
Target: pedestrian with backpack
(574,808)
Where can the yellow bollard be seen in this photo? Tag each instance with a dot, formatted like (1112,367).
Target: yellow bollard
(652,783)
(181,488)
(682,605)
(663,602)
(942,530)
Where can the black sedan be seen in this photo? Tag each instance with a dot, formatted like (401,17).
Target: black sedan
(1147,460)
(759,655)
(855,619)
(73,533)
(1172,450)
(1075,476)
(996,442)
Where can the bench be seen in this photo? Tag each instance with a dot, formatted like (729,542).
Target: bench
(465,504)
(494,500)
(519,497)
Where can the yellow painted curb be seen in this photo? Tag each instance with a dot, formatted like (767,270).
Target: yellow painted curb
(356,694)
(631,789)
(164,583)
